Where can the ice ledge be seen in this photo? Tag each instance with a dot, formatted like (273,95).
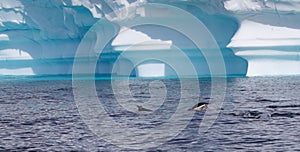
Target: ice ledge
(253,34)
(132,40)
(243,6)
(269,50)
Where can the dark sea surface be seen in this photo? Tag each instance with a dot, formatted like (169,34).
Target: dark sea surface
(258,114)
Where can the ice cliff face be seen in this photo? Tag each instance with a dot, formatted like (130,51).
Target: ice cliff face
(34,35)
(41,36)
(268,37)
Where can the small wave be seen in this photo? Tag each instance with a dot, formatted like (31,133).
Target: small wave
(63,89)
(8,102)
(251,114)
(285,114)
(263,115)
(266,100)
(256,140)
(283,106)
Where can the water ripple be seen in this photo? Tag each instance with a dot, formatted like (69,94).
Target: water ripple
(259,114)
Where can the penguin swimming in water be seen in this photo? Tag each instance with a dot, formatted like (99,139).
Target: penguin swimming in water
(200,106)
(141,108)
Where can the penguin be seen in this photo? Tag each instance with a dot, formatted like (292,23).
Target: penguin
(141,108)
(200,106)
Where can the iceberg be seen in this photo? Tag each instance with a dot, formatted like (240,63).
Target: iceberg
(256,37)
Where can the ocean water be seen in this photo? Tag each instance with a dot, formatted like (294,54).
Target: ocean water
(258,114)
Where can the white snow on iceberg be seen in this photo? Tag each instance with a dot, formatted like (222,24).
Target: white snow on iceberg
(130,40)
(269,50)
